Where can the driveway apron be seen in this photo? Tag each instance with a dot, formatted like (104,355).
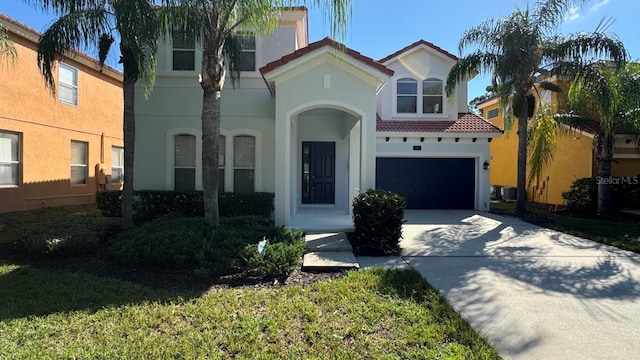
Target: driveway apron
(534,292)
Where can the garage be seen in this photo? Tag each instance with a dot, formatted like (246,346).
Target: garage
(429,183)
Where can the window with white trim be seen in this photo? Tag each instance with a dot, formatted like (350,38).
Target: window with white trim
(432,96)
(244,162)
(78,162)
(67,84)
(117,164)
(184,162)
(9,158)
(248,43)
(407,92)
(222,146)
(184,51)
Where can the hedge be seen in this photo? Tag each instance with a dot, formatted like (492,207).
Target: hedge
(378,216)
(150,204)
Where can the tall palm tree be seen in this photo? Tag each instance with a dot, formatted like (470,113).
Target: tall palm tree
(94,22)
(521,54)
(7,49)
(215,22)
(608,103)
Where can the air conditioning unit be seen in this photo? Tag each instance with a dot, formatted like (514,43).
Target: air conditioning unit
(509,194)
(496,192)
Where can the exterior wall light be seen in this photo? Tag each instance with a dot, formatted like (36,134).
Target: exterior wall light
(485,165)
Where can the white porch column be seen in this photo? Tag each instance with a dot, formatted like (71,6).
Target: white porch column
(368,151)
(354,163)
(283,168)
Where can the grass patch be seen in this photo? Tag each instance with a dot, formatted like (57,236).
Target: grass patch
(368,314)
(620,232)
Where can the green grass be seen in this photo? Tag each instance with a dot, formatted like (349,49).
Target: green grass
(11,222)
(368,314)
(619,232)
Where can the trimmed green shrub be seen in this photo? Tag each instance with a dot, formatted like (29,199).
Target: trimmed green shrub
(165,242)
(378,217)
(582,196)
(76,235)
(150,204)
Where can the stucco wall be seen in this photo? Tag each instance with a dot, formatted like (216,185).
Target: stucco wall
(47,127)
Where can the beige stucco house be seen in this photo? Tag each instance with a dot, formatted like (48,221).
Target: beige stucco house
(315,124)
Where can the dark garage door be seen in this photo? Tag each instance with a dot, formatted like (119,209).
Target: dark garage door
(431,183)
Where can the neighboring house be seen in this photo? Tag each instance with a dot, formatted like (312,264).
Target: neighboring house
(53,147)
(574,156)
(315,124)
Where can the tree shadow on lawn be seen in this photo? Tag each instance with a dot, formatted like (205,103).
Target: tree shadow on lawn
(38,286)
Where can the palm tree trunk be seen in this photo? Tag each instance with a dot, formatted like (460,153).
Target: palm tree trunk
(129,130)
(521,202)
(212,82)
(605,150)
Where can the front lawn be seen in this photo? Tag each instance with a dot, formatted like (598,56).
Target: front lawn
(621,232)
(366,314)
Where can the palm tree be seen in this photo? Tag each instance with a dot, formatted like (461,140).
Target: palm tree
(214,22)
(606,102)
(7,49)
(521,54)
(93,22)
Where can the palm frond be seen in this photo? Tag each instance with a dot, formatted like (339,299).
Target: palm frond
(541,144)
(61,7)
(586,47)
(468,67)
(548,14)
(74,30)
(7,48)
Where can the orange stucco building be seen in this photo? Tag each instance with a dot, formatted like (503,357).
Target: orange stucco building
(55,149)
(574,156)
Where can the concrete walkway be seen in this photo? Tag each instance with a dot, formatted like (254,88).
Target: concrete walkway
(535,293)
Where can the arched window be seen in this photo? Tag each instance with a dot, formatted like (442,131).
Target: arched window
(244,163)
(185,162)
(407,92)
(432,96)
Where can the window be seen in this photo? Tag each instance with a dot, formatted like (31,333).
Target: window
(185,162)
(432,96)
(117,164)
(244,160)
(78,162)
(248,58)
(545,97)
(221,162)
(492,113)
(407,96)
(184,52)
(68,84)
(9,158)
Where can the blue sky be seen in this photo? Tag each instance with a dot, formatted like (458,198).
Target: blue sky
(378,29)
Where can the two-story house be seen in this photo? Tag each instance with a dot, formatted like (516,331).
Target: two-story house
(316,123)
(56,149)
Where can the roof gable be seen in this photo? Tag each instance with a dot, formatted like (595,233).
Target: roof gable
(420,44)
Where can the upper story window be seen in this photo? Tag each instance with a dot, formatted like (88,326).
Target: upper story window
(184,52)
(431,91)
(68,84)
(492,113)
(407,96)
(9,158)
(432,96)
(248,44)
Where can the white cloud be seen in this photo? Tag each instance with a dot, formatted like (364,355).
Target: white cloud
(599,5)
(573,13)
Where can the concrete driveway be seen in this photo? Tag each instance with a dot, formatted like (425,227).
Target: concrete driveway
(535,293)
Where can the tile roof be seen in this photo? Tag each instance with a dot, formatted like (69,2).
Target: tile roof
(317,45)
(415,44)
(466,123)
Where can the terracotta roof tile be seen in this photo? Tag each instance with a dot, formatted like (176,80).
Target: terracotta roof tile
(466,123)
(415,44)
(317,45)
